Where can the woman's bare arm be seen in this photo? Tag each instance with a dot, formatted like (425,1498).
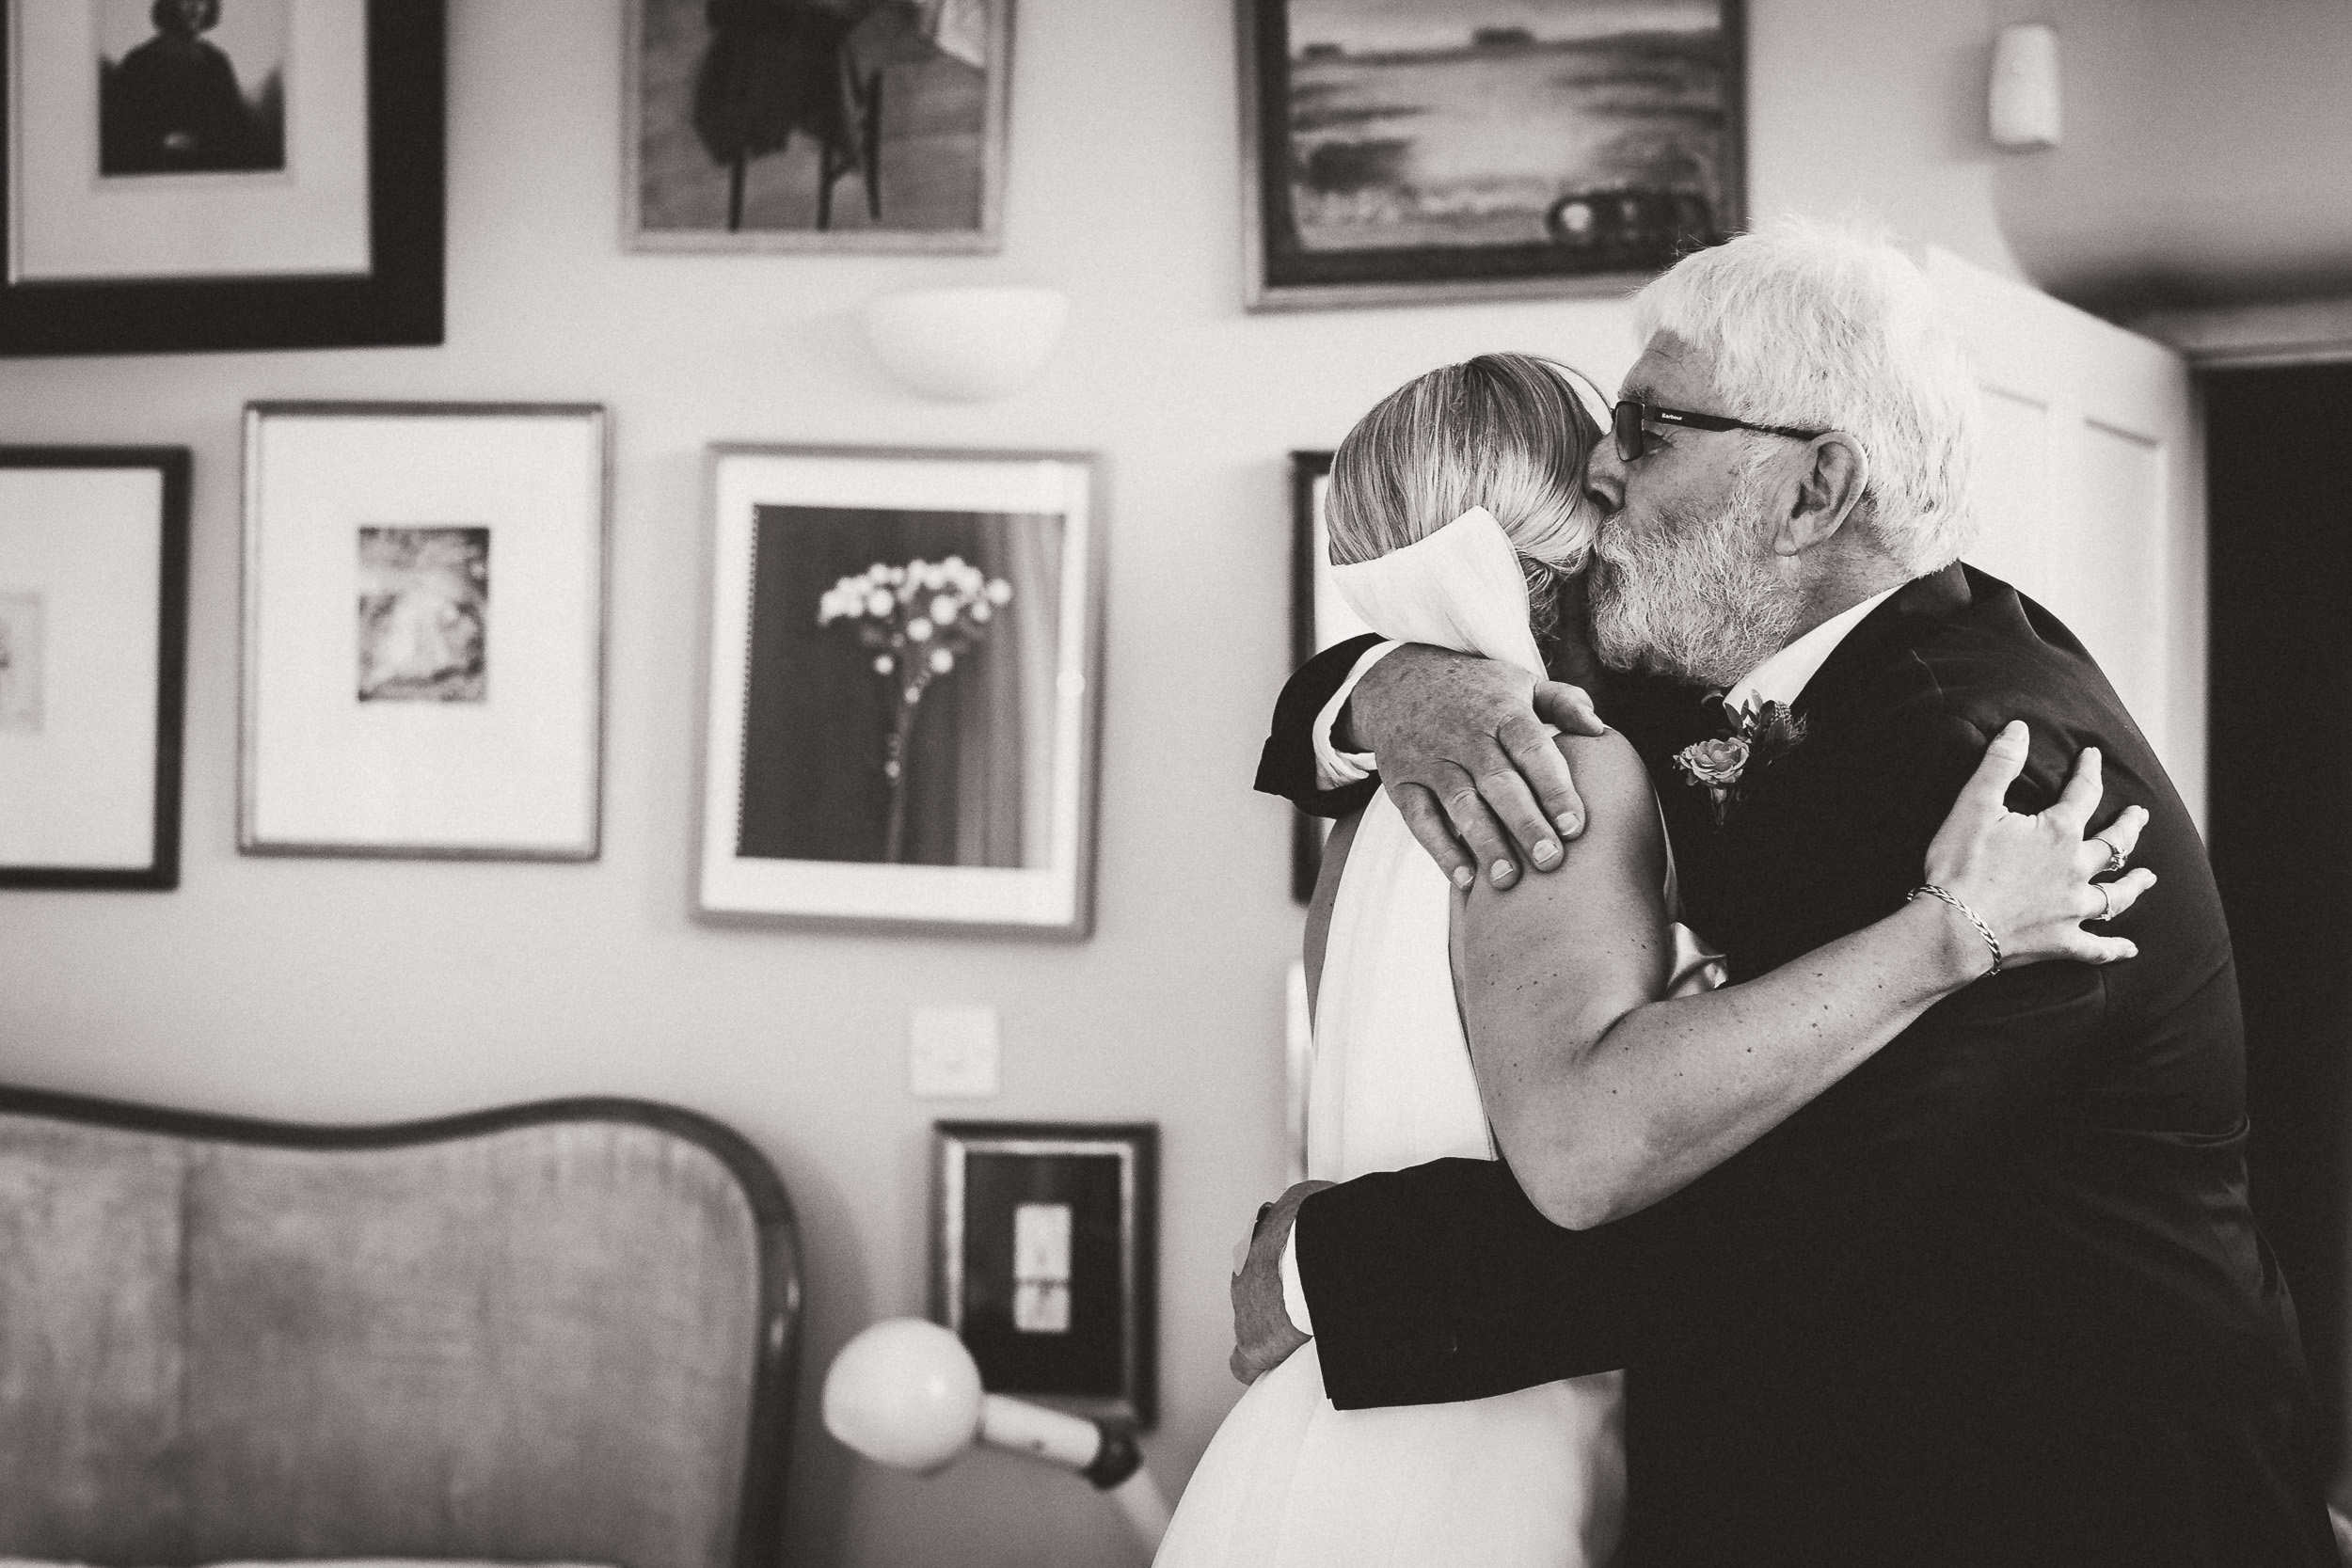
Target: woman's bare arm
(1605,1098)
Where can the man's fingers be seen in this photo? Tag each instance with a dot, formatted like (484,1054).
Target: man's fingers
(2080,797)
(1546,770)
(1238,1364)
(1987,788)
(1475,826)
(1569,707)
(1434,831)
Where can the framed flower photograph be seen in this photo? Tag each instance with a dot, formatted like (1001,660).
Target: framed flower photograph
(852,126)
(902,692)
(1044,1259)
(424,591)
(220,174)
(93,664)
(1400,151)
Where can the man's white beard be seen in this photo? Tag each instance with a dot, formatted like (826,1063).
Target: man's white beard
(1695,598)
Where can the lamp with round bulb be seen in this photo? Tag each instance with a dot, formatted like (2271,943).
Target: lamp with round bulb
(966,344)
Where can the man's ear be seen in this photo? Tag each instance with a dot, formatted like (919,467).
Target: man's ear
(1829,485)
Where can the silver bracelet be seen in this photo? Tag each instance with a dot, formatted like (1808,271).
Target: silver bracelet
(1966,914)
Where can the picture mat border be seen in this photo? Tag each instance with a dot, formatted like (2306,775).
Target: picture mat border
(399,302)
(600,420)
(995,138)
(715,787)
(175,464)
(1137,1144)
(1258,294)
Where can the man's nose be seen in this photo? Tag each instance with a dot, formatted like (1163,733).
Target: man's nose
(1604,479)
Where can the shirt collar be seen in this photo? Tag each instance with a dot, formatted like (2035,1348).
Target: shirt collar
(1784,676)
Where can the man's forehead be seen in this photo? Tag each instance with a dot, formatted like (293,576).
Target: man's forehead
(1668,370)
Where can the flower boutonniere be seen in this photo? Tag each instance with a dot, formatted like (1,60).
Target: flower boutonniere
(1762,734)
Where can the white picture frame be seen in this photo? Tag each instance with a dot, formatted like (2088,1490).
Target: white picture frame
(424,606)
(986,824)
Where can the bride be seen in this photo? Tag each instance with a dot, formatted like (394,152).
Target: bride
(1454,513)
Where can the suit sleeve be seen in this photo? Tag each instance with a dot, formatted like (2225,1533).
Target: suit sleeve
(1287,766)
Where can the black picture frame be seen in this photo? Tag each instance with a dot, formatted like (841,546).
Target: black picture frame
(398,302)
(1095,1352)
(162,872)
(1605,237)
(1309,560)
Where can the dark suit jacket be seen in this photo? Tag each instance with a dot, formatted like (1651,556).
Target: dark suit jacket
(1996,1298)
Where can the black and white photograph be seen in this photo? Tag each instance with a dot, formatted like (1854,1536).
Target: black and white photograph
(424,606)
(191,87)
(829,125)
(1401,150)
(19,662)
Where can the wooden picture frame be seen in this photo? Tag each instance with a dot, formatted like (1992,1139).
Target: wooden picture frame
(424,624)
(902,689)
(93,664)
(1360,185)
(828,176)
(1044,1259)
(338,244)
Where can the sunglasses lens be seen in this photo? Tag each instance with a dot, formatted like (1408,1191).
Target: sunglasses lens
(1625,422)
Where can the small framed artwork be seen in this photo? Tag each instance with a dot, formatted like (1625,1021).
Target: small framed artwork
(93,661)
(1319,618)
(902,699)
(1044,1262)
(425,589)
(855,126)
(1427,150)
(220,174)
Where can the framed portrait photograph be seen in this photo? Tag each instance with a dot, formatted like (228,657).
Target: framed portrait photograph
(851,126)
(220,174)
(1046,1260)
(1319,618)
(93,663)
(902,699)
(425,594)
(1401,152)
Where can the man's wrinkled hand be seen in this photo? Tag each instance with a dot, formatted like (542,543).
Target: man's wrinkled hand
(1464,755)
(1263,1335)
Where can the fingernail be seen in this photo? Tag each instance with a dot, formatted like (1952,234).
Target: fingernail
(1463,876)
(1502,872)
(1546,852)
(1570,823)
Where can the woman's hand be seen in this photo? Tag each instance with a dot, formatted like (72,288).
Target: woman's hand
(2029,878)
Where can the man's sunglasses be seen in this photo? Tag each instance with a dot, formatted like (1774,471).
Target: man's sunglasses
(1628,423)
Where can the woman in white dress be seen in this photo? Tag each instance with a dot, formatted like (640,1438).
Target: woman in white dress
(1455,508)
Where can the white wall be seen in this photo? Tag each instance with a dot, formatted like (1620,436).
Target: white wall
(367,991)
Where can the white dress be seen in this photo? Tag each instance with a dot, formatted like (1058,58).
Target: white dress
(1529,1480)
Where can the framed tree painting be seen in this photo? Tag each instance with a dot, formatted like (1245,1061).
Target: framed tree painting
(856,125)
(1406,151)
(93,662)
(424,588)
(903,697)
(220,174)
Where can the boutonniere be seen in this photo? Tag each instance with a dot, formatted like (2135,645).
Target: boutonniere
(1762,734)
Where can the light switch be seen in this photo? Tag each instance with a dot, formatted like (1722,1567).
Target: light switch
(952,1052)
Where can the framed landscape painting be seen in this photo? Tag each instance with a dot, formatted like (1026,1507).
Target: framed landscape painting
(903,697)
(220,174)
(1405,150)
(856,125)
(425,590)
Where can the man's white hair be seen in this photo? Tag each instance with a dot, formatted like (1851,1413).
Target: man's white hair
(1824,326)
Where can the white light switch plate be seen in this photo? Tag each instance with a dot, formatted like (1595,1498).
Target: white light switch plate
(952,1052)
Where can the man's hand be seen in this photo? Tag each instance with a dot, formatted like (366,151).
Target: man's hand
(1464,755)
(1263,1335)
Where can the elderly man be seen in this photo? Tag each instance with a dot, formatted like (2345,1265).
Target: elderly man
(1995,1299)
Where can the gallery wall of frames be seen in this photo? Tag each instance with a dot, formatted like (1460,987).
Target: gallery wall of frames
(478,623)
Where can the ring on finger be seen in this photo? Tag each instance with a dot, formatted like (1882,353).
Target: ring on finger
(2115,857)
(2106,902)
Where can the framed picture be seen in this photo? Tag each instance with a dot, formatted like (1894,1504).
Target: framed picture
(1046,1260)
(1298,1066)
(852,126)
(902,698)
(93,662)
(425,589)
(1319,618)
(1413,150)
(220,174)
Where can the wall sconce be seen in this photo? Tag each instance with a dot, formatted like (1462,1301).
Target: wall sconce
(2023,96)
(964,345)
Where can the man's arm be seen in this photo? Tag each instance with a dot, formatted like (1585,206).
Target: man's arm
(1287,764)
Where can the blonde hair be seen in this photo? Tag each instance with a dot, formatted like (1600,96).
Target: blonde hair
(1504,431)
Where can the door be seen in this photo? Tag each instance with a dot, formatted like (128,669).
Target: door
(2092,494)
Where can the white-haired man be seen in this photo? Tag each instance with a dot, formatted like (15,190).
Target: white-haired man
(1996,1298)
